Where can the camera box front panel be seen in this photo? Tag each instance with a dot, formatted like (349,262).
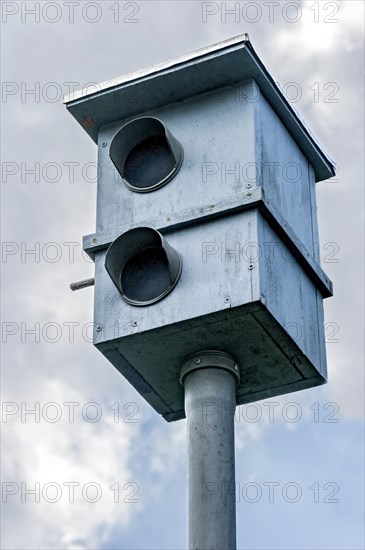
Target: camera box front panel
(217,134)
(212,278)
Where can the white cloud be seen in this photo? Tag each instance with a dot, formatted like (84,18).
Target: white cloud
(63,452)
(323,28)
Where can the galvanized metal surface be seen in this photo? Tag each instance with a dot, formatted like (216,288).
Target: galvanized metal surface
(217,134)
(286,176)
(257,311)
(265,309)
(222,64)
(157,68)
(210,401)
(250,138)
(178,219)
(206,279)
(207,360)
(305,257)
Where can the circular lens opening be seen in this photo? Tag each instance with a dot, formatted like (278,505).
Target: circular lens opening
(146,276)
(149,162)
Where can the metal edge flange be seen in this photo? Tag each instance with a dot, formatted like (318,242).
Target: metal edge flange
(210,359)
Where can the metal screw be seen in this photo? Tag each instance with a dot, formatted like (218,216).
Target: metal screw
(251,266)
(249,185)
(197,361)
(135,323)
(227,300)
(99,328)
(103,144)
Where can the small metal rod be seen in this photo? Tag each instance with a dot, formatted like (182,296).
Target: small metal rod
(82,284)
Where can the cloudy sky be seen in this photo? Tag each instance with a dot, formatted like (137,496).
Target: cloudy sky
(94,467)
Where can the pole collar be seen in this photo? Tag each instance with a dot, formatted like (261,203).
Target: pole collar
(210,359)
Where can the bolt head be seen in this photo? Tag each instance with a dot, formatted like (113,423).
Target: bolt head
(103,144)
(99,328)
(197,361)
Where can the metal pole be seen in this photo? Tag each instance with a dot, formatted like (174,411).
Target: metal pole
(210,380)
